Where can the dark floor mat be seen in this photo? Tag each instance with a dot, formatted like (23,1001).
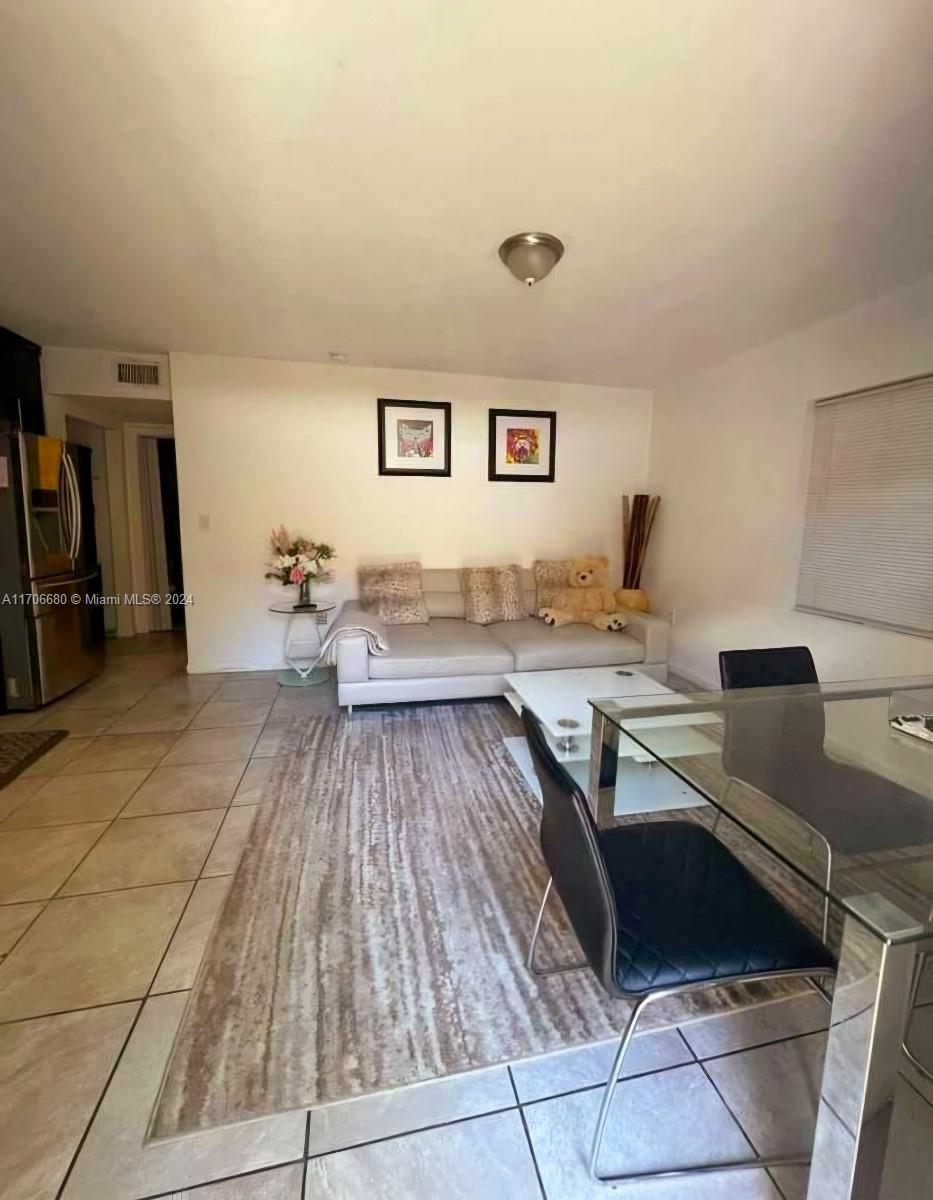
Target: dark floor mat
(21,749)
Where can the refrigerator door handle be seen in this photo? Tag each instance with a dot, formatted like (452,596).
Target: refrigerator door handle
(75,543)
(64,503)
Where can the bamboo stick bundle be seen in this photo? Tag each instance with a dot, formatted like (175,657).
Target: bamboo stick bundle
(638,515)
(650,514)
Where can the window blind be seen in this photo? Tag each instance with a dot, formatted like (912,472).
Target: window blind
(868,531)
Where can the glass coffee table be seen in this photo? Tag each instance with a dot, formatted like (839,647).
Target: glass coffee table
(561,701)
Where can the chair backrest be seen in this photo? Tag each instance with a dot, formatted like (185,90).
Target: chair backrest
(571,850)
(778,666)
(762,740)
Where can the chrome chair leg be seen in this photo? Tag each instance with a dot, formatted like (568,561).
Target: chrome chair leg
(915,988)
(624,1042)
(543,972)
(628,1033)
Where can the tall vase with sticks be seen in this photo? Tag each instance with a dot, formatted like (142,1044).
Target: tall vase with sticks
(638,514)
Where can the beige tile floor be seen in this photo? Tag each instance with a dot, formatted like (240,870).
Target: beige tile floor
(116,851)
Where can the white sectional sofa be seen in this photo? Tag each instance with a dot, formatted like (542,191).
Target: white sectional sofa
(450,658)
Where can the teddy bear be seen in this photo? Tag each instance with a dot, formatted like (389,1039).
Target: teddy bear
(587,599)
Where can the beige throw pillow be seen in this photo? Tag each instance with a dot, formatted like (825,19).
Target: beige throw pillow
(394,593)
(550,578)
(493,594)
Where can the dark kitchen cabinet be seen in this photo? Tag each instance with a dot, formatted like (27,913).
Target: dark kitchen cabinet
(20,384)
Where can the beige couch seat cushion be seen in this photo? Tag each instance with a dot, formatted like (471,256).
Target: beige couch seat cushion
(444,647)
(539,647)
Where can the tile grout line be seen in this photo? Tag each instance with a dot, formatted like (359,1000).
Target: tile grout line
(728,1108)
(44,904)
(126,1040)
(791,1037)
(83,857)
(136,1017)
(64,1012)
(694,1057)
(174,1193)
(699,1062)
(57,894)
(522,1118)
(100,1099)
(132,887)
(694,1060)
(172,812)
(394,1137)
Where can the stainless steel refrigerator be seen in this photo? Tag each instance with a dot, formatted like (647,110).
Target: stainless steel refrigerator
(51,628)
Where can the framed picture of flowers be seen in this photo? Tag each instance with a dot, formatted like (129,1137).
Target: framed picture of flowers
(414,437)
(522,445)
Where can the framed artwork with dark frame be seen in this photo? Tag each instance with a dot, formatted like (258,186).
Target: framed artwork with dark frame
(522,445)
(414,437)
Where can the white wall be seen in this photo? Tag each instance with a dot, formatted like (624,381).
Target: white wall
(730,454)
(261,442)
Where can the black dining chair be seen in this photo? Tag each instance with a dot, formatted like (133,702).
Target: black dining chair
(659,908)
(785,666)
(776,666)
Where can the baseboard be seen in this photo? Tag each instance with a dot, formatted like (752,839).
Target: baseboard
(695,681)
(226,669)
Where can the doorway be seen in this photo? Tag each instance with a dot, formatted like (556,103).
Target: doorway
(136,510)
(161,529)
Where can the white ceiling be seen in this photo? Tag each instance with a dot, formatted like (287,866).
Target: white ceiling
(282,178)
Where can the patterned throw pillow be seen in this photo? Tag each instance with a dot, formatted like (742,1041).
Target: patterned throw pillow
(493,594)
(394,593)
(550,578)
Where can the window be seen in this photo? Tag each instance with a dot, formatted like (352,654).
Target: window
(868,533)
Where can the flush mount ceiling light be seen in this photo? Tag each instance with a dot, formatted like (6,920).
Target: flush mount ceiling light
(531,256)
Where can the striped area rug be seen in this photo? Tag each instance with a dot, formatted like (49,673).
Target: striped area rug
(375,933)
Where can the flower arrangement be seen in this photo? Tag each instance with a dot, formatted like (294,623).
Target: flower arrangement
(298,560)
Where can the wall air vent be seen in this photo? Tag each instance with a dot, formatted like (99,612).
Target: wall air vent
(137,372)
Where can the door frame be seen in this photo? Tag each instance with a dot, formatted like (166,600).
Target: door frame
(132,432)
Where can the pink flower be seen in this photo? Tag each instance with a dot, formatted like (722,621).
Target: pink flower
(296,575)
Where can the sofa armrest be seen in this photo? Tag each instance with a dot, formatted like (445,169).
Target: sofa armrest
(352,660)
(353,651)
(653,632)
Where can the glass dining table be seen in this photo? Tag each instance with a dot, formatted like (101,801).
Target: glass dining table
(826,792)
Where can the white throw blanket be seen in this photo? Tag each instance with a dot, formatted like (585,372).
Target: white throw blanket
(353,623)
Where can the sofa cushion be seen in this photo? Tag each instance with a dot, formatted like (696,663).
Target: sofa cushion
(550,577)
(394,593)
(442,647)
(493,594)
(539,647)
(443,596)
(445,604)
(442,593)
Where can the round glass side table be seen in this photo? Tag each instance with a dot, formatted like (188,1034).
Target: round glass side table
(304,672)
